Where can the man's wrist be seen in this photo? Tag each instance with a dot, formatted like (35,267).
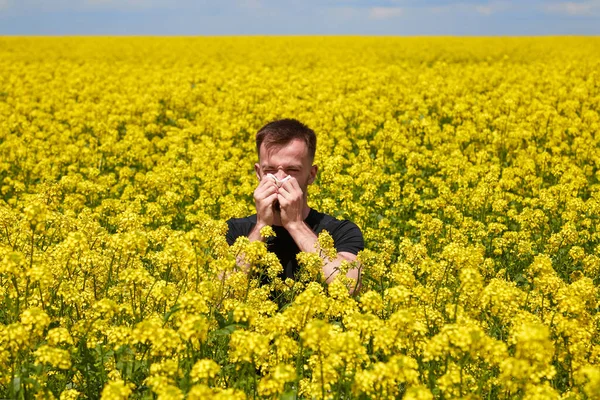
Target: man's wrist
(260,224)
(255,233)
(303,236)
(296,227)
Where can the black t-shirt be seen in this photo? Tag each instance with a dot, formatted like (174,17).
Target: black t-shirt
(346,237)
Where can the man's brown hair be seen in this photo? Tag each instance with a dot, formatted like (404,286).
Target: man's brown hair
(281,132)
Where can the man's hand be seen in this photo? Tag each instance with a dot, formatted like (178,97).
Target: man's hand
(264,197)
(291,202)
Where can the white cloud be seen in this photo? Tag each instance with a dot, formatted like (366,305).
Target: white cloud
(583,8)
(485,10)
(385,12)
(5,4)
(451,8)
(494,7)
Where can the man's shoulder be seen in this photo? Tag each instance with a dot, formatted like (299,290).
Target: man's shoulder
(346,234)
(237,227)
(251,219)
(326,221)
(318,219)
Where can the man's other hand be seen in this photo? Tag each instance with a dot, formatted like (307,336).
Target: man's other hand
(264,197)
(291,202)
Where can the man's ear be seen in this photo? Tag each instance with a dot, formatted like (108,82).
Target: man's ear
(313,174)
(257,171)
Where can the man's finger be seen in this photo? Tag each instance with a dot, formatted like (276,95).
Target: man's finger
(269,186)
(285,193)
(291,185)
(265,190)
(271,198)
(264,198)
(283,202)
(291,191)
(266,181)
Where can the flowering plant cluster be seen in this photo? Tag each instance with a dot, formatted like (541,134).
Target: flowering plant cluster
(471,166)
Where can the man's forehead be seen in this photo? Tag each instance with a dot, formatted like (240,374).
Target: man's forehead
(266,164)
(294,152)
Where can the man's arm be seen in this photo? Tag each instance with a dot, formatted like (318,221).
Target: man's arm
(292,202)
(254,234)
(306,239)
(264,196)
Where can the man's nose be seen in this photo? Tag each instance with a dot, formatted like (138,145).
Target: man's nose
(280,174)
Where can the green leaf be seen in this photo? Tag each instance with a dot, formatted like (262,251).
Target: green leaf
(227,330)
(289,395)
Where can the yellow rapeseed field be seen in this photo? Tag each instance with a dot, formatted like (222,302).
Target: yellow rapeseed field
(472,166)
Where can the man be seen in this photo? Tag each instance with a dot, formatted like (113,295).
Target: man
(286,150)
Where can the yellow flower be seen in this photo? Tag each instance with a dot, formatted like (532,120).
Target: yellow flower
(164,389)
(193,327)
(267,232)
(325,246)
(274,383)
(418,393)
(204,369)
(247,346)
(57,358)
(167,368)
(383,379)
(201,392)
(589,377)
(470,166)
(58,336)
(69,394)
(35,320)
(117,390)
(531,364)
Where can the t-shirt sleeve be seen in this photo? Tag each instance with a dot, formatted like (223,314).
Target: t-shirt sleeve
(237,227)
(346,236)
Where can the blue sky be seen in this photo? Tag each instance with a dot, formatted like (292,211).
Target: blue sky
(299,17)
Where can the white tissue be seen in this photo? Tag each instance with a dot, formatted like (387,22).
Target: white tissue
(277,181)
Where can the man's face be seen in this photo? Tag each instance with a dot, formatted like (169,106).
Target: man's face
(289,159)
